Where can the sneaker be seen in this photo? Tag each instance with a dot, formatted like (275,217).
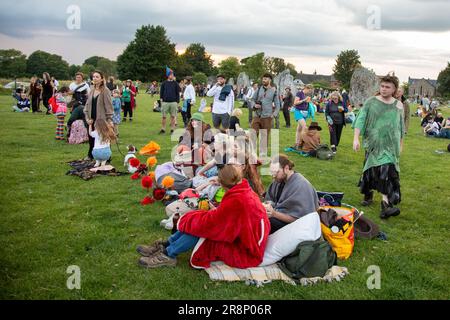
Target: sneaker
(148,251)
(162,131)
(368,199)
(388,210)
(157,261)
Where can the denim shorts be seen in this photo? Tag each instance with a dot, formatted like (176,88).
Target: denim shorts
(300,114)
(102,154)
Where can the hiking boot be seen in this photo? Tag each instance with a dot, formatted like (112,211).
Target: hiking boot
(334,149)
(368,199)
(388,210)
(148,251)
(157,261)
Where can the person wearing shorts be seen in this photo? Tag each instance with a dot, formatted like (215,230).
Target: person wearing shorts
(170,97)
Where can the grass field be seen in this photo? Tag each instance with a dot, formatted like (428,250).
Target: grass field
(50,221)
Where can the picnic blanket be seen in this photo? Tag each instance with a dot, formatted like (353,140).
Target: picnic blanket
(218,271)
(302,153)
(82,169)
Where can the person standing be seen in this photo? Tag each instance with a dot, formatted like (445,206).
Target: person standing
(79,89)
(188,100)
(170,97)
(110,85)
(266,105)
(248,98)
(406,108)
(380,122)
(128,94)
(98,106)
(35,94)
(47,91)
(301,105)
(223,104)
(288,101)
(335,114)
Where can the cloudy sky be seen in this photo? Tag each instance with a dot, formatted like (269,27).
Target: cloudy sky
(410,37)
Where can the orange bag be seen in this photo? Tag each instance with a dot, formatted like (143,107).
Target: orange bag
(340,235)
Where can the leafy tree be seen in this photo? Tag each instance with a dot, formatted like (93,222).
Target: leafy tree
(93,61)
(181,67)
(13,63)
(198,58)
(87,69)
(108,67)
(274,65)
(73,69)
(199,78)
(254,66)
(40,61)
(147,55)
(443,81)
(230,67)
(346,63)
(291,68)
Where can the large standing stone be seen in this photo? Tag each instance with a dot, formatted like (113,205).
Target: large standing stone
(243,81)
(231,82)
(363,85)
(284,80)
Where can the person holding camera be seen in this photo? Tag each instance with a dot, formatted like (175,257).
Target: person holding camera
(223,104)
(266,105)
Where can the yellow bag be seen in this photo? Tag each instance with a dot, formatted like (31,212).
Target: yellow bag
(341,235)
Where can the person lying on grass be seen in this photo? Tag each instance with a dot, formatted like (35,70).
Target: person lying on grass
(236,232)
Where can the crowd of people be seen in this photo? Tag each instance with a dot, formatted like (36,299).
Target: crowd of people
(220,160)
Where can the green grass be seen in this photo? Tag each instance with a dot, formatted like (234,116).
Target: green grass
(50,221)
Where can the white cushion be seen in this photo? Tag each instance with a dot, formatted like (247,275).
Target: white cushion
(283,242)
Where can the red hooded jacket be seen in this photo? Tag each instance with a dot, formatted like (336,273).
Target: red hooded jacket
(235,233)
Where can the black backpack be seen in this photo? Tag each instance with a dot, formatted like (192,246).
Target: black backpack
(309,259)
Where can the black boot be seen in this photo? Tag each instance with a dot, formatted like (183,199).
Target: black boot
(388,210)
(368,199)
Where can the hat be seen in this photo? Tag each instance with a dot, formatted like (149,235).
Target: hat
(169,72)
(314,125)
(197,116)
(365,228)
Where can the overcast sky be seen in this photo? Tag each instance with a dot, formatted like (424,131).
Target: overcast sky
(413,38)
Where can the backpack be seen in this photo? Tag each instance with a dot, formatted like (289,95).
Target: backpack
(309,259)
(323,152)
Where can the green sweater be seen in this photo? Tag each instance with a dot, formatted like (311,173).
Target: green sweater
(382,130)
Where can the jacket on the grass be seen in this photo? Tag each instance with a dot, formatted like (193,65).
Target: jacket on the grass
(235,233)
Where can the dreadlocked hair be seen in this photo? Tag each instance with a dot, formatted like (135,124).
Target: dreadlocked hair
(105,131)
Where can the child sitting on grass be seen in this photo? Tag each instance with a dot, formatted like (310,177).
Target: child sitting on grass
(103,135)
(23,103)
(235,125)
(60,109)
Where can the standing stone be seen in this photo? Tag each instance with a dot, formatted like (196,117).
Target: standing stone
(231,82)
(363,85)
(284,80)
(243,81)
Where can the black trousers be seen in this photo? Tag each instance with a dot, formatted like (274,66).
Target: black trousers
(186,115)
(45,102)
(35,100)
(287,116)
(276,225)
(127,110)
(335,134)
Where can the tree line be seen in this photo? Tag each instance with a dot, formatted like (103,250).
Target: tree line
(146,57)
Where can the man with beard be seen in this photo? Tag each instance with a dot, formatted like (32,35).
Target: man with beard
(290,196)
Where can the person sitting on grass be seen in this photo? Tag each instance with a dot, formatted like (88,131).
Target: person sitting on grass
(23,103)
(310,140)
(236,232)
(445,131)
(290,196)
(103,135)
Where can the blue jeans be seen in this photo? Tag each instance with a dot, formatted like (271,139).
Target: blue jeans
(102,154)
(445,133)
(179,243)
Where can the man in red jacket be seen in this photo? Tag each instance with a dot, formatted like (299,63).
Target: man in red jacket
(235,233)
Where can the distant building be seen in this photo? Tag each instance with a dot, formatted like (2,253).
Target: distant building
(310,78)
(422,87)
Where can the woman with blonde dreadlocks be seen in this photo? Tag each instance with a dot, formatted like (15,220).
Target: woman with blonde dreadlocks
(103,135)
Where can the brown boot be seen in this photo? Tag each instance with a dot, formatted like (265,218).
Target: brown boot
(158,260)
(147,251)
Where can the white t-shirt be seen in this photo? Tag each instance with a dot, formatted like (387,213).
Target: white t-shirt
(189,93)
(221,107)
(74,85)
(98,143)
